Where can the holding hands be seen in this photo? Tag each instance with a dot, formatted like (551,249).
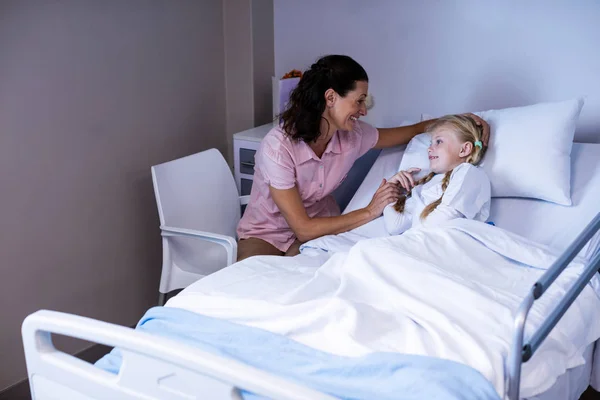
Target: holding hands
(387,193)
(405,179)
(390,191)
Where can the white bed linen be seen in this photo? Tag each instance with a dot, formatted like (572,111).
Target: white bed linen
(359,302)
(551,224)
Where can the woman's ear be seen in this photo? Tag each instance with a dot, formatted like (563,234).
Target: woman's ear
(330,96)
(466,149)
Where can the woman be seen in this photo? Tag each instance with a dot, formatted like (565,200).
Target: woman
(302,161)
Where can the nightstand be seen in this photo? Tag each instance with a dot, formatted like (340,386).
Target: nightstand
(245,145)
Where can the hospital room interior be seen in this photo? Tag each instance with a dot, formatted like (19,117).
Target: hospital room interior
(300,199)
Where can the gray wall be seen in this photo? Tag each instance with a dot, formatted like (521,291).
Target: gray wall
(238,68)
(449,56)
(92,93)
(263,60)
(249,64)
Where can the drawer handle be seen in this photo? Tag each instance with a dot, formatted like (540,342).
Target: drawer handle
(247,164)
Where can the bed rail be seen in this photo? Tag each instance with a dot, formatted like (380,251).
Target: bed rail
(169,369)
(519,352)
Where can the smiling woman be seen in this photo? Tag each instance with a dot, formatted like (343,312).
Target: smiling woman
(301,162)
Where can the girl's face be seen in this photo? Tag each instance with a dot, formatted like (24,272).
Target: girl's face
(446,151)
(343,112)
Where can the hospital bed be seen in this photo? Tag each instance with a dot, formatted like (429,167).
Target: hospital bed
(158,367)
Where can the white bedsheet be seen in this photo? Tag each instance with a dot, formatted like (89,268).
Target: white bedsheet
(552,224)
(409,294)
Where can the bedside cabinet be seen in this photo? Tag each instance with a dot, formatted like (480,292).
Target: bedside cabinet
(245,145)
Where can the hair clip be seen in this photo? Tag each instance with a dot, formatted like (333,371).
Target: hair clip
(478,144)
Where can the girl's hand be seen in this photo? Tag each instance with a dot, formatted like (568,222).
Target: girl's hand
(405,178)
(387,193)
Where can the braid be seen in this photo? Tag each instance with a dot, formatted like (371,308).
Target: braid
(399,206)
(430,207)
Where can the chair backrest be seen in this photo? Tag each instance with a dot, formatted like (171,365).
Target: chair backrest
(197,192)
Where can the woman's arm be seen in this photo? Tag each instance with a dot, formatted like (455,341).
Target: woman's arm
(306,228)
(390,137)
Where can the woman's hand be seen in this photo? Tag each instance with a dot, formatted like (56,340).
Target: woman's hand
(405,178)
(387,193)
(485,136)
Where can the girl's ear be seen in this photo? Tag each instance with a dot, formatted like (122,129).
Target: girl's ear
(466,149)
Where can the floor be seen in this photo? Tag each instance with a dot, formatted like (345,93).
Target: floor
(20,391)
(23,394)
(590,394)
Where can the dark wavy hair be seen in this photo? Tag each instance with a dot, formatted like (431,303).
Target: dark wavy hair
(302,117)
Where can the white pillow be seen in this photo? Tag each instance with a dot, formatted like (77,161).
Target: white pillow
(529,153)
(416,155)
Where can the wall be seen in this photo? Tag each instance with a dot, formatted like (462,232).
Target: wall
(263,60)
(440,57)
(92,93)
(249,64)
(238,68)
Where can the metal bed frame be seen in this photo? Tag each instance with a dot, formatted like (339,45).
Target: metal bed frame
(519,352)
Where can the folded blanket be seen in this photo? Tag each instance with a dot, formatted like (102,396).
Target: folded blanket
(377,375)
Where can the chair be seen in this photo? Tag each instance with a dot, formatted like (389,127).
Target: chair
(199,209)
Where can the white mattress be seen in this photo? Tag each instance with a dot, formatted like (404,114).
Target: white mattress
(547,223)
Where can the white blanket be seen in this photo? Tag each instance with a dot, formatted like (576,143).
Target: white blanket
(449,292)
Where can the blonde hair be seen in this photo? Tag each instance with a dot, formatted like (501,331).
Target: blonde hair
(466,130)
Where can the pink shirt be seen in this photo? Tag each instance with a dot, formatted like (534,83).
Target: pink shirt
(283,163)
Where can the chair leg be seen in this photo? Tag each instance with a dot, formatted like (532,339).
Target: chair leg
(161,299)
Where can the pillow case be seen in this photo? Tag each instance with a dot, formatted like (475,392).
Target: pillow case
(529,153)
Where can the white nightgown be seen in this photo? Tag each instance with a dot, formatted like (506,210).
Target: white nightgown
(468,195)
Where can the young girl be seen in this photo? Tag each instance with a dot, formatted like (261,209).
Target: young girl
(455,187)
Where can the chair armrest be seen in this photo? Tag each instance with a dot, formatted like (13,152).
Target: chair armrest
(227,242)
(244,200)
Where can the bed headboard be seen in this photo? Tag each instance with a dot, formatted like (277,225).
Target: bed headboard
(438,57)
